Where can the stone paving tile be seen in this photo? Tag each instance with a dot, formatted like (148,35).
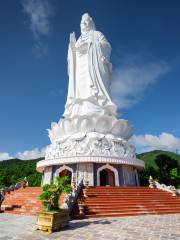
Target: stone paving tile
(148,227)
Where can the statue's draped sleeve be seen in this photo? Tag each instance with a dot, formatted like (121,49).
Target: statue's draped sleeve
(100,68)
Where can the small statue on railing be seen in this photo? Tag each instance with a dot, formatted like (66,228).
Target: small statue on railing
(174,191)
(86,183)
(24,183)
(152,183)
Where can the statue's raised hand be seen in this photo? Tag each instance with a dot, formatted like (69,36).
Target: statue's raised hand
(72,38)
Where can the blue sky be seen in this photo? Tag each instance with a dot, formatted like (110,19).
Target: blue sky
(145,37)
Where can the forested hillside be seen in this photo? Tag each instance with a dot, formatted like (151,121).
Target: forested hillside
(161,165)
(13,171)
(149,157)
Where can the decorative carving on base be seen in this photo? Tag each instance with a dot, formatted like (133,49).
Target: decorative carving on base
(92,144)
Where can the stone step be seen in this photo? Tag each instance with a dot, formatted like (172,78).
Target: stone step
(132,204)
(101,215)
(124,189)
(131,200)
(128,195)
(132,208)
(128,199)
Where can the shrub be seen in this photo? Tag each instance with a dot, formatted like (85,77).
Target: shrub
(52,192)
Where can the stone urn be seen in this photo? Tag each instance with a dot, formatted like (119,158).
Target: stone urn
(81,206)
(85,193)
(51,221)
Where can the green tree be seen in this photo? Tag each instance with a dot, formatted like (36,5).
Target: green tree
(175,176)
(165,165)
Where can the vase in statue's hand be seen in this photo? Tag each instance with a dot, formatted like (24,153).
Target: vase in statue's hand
(72,40)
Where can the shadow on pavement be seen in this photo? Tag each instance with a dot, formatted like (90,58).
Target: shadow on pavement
(83,223)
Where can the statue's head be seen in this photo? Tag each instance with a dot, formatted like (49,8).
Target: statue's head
(87,23)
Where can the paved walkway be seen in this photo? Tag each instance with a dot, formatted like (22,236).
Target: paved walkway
(148,227)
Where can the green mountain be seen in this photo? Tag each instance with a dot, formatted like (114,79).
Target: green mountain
(149,157)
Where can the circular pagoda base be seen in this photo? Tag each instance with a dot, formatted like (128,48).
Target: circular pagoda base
(98,171)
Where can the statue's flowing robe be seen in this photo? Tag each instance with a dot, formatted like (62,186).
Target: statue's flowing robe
(89,77)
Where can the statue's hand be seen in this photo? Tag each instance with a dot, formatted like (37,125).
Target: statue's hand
(72,38)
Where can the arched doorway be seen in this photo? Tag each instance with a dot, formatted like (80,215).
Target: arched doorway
(107,177)
(67,173)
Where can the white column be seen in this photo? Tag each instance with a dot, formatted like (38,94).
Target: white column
(85,171)
(47,175)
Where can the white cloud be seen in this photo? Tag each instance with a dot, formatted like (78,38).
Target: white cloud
(31,154)
(5,156)
(26,155)
(39,13)
(132,78)
(148,142)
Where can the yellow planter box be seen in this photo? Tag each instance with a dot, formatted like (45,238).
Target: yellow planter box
(52,221)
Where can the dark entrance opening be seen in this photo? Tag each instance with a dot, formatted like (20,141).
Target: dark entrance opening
(68,173)
(107,178)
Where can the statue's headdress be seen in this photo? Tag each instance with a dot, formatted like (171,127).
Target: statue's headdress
(85,16)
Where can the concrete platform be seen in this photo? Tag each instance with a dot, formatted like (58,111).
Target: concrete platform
(148,227)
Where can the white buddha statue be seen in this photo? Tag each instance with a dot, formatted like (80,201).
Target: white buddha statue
(89,71)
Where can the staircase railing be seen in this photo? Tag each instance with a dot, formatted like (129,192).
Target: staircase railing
(23,183)
(155,184)
(71,198)
(3,191)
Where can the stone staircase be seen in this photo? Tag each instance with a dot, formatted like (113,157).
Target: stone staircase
(127,201)
(101,202)
(23,201)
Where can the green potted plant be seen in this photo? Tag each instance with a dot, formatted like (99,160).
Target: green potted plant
(52,218)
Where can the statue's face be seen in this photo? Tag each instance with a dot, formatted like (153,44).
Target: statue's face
(86,24)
